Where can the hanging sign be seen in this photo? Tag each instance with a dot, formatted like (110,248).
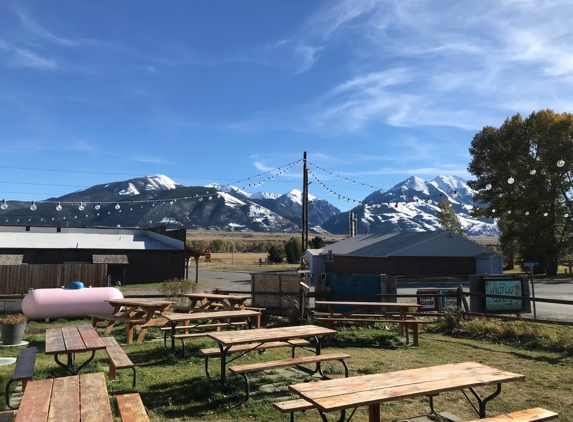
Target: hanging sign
(329,257)
(207,255)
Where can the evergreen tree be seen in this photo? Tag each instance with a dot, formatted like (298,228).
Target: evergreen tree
(293,250)
(316,243)
(448,218)
(276,253)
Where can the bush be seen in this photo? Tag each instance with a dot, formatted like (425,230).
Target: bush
(175,288)
(14,319)
(276,253)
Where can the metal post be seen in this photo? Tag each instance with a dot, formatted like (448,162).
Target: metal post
(233,254)
(533,293)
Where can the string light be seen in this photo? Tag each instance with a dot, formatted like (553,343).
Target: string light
(59,207)
(4,205)
(33,207)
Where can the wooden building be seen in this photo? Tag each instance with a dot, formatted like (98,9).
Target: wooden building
(132,256)
(439,253)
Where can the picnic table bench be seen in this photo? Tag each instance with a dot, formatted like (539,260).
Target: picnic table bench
(118,359)
(136,313)
(131,408)
(529,415)
(23,371)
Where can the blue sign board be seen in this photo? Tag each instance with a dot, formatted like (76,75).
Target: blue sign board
(531,264)
(505,288)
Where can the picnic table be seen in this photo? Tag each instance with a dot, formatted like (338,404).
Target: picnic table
(136,314)
(72,340)
(203,320)
(75,398)
(260,336)
(216,300)
(371,390)
(373,311)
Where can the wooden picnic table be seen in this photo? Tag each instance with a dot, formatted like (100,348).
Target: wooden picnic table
(371,390)
(260,336)
(210,300)
(367,308)
(72,340)
(76,398)
(136,314)
(197,320)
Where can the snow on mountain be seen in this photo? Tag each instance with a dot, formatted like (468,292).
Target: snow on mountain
(156,182)
(229,189)
(265,195)
(295,196)
(232,201)
(410,206)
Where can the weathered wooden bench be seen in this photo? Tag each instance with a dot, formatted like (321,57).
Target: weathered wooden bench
(117,358)
(7,416)
(246,369)
(408,323)
(291,406)
(529,415)
(131,408)
(23,371)
(216,352)
(214,307)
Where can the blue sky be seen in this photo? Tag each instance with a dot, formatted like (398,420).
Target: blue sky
(222,91)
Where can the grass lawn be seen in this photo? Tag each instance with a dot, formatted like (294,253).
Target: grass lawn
(176,389)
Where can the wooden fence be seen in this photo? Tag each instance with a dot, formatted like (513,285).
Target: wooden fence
(18,279)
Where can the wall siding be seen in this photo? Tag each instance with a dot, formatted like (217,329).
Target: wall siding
(145,266)
(402,266)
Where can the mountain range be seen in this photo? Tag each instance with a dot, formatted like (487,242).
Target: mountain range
(157,200)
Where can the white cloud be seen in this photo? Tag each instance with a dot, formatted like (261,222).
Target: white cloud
(27,58)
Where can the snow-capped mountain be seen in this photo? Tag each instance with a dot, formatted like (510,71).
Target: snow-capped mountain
(411,206)
(157,200)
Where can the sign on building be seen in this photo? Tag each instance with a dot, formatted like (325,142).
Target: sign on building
(428,299)
(505,288)
(449,303)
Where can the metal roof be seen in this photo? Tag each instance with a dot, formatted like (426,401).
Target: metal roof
(11,259)
(110,259)
(431,244)
(125,239)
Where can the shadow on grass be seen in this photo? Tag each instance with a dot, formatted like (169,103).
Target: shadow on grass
(545,359)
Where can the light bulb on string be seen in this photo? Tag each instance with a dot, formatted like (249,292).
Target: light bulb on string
(560,163)
(117,206)
(488,186)
(566,215)
(509,212)
(545,214)
(526,212)
(81,207)
(532,172)
(511,180)
(493,211)
(59,207)
(33,207)
(97,206)
(4,204)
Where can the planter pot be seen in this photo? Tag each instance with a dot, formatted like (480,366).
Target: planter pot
(12,333)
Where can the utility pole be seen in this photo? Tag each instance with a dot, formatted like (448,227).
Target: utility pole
(304,204)
(233,254)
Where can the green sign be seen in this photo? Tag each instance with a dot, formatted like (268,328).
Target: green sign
(505,288)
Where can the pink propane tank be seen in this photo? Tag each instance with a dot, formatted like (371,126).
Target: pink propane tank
(69,303)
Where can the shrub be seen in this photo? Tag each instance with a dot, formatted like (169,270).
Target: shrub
(174,289)
(14,319)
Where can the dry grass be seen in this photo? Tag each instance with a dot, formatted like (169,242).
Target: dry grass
(243,261)
(255,237)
